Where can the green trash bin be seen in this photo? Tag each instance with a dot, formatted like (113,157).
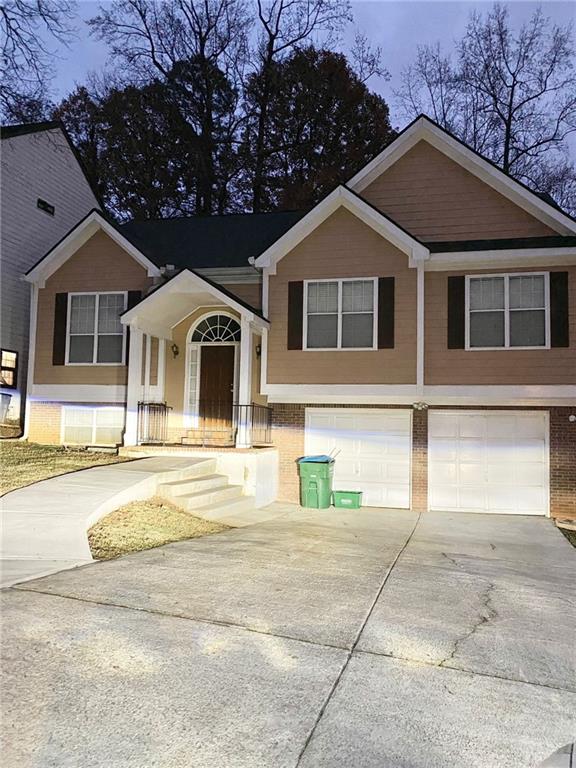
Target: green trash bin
(316,474)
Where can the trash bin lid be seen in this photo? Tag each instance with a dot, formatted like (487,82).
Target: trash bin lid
(321,459)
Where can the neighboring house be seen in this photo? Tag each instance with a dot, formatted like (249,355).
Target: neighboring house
(44,192)
(421,320)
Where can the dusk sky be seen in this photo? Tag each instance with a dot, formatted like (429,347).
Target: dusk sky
(398,27)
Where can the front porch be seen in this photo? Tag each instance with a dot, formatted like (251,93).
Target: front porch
(194,369)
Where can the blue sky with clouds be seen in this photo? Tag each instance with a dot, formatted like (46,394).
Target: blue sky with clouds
(398,26)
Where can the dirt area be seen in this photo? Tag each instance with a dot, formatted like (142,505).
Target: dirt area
(143,525)
(26,463)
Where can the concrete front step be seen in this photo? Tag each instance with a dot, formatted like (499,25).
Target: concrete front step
(193,502)
(192,485)
(226,512)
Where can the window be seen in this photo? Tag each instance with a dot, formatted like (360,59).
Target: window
(217,328)
(508,311)
(95,333)
(45,206)
(340,314)
(92,426)
(8,374)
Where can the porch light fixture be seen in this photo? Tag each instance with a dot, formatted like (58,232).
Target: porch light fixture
(175,349)
(258,351)
(420,406)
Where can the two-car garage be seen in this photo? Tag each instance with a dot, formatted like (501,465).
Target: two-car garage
(478,460)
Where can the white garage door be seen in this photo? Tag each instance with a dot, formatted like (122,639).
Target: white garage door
(374,447)
(488,461)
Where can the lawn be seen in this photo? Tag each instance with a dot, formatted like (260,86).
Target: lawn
(143,525)
(25,463)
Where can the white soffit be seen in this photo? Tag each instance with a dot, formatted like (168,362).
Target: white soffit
(342,197)
(423,129)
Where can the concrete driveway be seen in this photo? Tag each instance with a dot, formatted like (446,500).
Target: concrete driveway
(316,640)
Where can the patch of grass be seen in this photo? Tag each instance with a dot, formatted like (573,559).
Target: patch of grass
(570,535)
(25,463)
(144,525)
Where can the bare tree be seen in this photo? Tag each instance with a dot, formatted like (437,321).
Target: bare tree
(511,96)
(200,47)
(366,59)
(24,27)
(283,26)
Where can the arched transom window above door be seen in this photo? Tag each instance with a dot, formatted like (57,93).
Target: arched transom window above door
(216,328)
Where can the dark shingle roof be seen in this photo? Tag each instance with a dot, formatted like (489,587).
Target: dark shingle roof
(201,242)
(554,241)
(10,131)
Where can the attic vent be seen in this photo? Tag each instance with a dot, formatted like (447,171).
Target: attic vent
(46,207)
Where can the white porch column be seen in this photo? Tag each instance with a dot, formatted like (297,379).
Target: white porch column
(243,437)
(134,389)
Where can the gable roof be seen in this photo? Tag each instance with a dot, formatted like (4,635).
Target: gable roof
(342,197)
(198,242)
(424,128)
(165,306)
(26,129)
(75,238)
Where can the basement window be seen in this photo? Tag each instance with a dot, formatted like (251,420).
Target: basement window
(45,206)
(9,369)
(92,426)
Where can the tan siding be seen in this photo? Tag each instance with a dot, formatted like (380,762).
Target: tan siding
(343,246)
(251,293)
(434,198)
(505,366)
(98,265)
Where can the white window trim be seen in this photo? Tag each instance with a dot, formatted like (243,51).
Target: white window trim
(507,275)
(95,333)
(339,347)
(93,410)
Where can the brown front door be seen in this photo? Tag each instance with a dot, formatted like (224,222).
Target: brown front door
(216,387)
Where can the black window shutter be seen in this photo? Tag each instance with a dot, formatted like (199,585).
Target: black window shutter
(133,298)
(559,333)
(295,312)
(386,313)
(456,312)
(60,321)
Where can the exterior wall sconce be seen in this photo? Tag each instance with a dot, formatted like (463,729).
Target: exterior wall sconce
(258,351)
(175,350)
(572,418)
(420,406)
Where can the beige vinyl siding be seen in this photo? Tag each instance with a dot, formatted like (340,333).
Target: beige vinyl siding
(434,198)
(343,246)
(502,366)
(251,293)
(99,265)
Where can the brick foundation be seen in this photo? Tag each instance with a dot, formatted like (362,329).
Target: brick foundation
(44,426)
(288,436)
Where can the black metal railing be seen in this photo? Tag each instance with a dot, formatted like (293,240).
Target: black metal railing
(217,423)
(152,422)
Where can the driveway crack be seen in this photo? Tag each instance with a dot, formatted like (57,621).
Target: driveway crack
(486,614)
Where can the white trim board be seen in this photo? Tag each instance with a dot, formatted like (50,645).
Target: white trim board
(505,258)
(78,393)
(342,198)
(67,247)
(389,394)
(425,129)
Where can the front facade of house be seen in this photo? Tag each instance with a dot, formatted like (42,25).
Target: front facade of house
(44,192)
(420,320)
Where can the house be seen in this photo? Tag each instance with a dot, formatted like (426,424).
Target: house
(420,320)
(45,192)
